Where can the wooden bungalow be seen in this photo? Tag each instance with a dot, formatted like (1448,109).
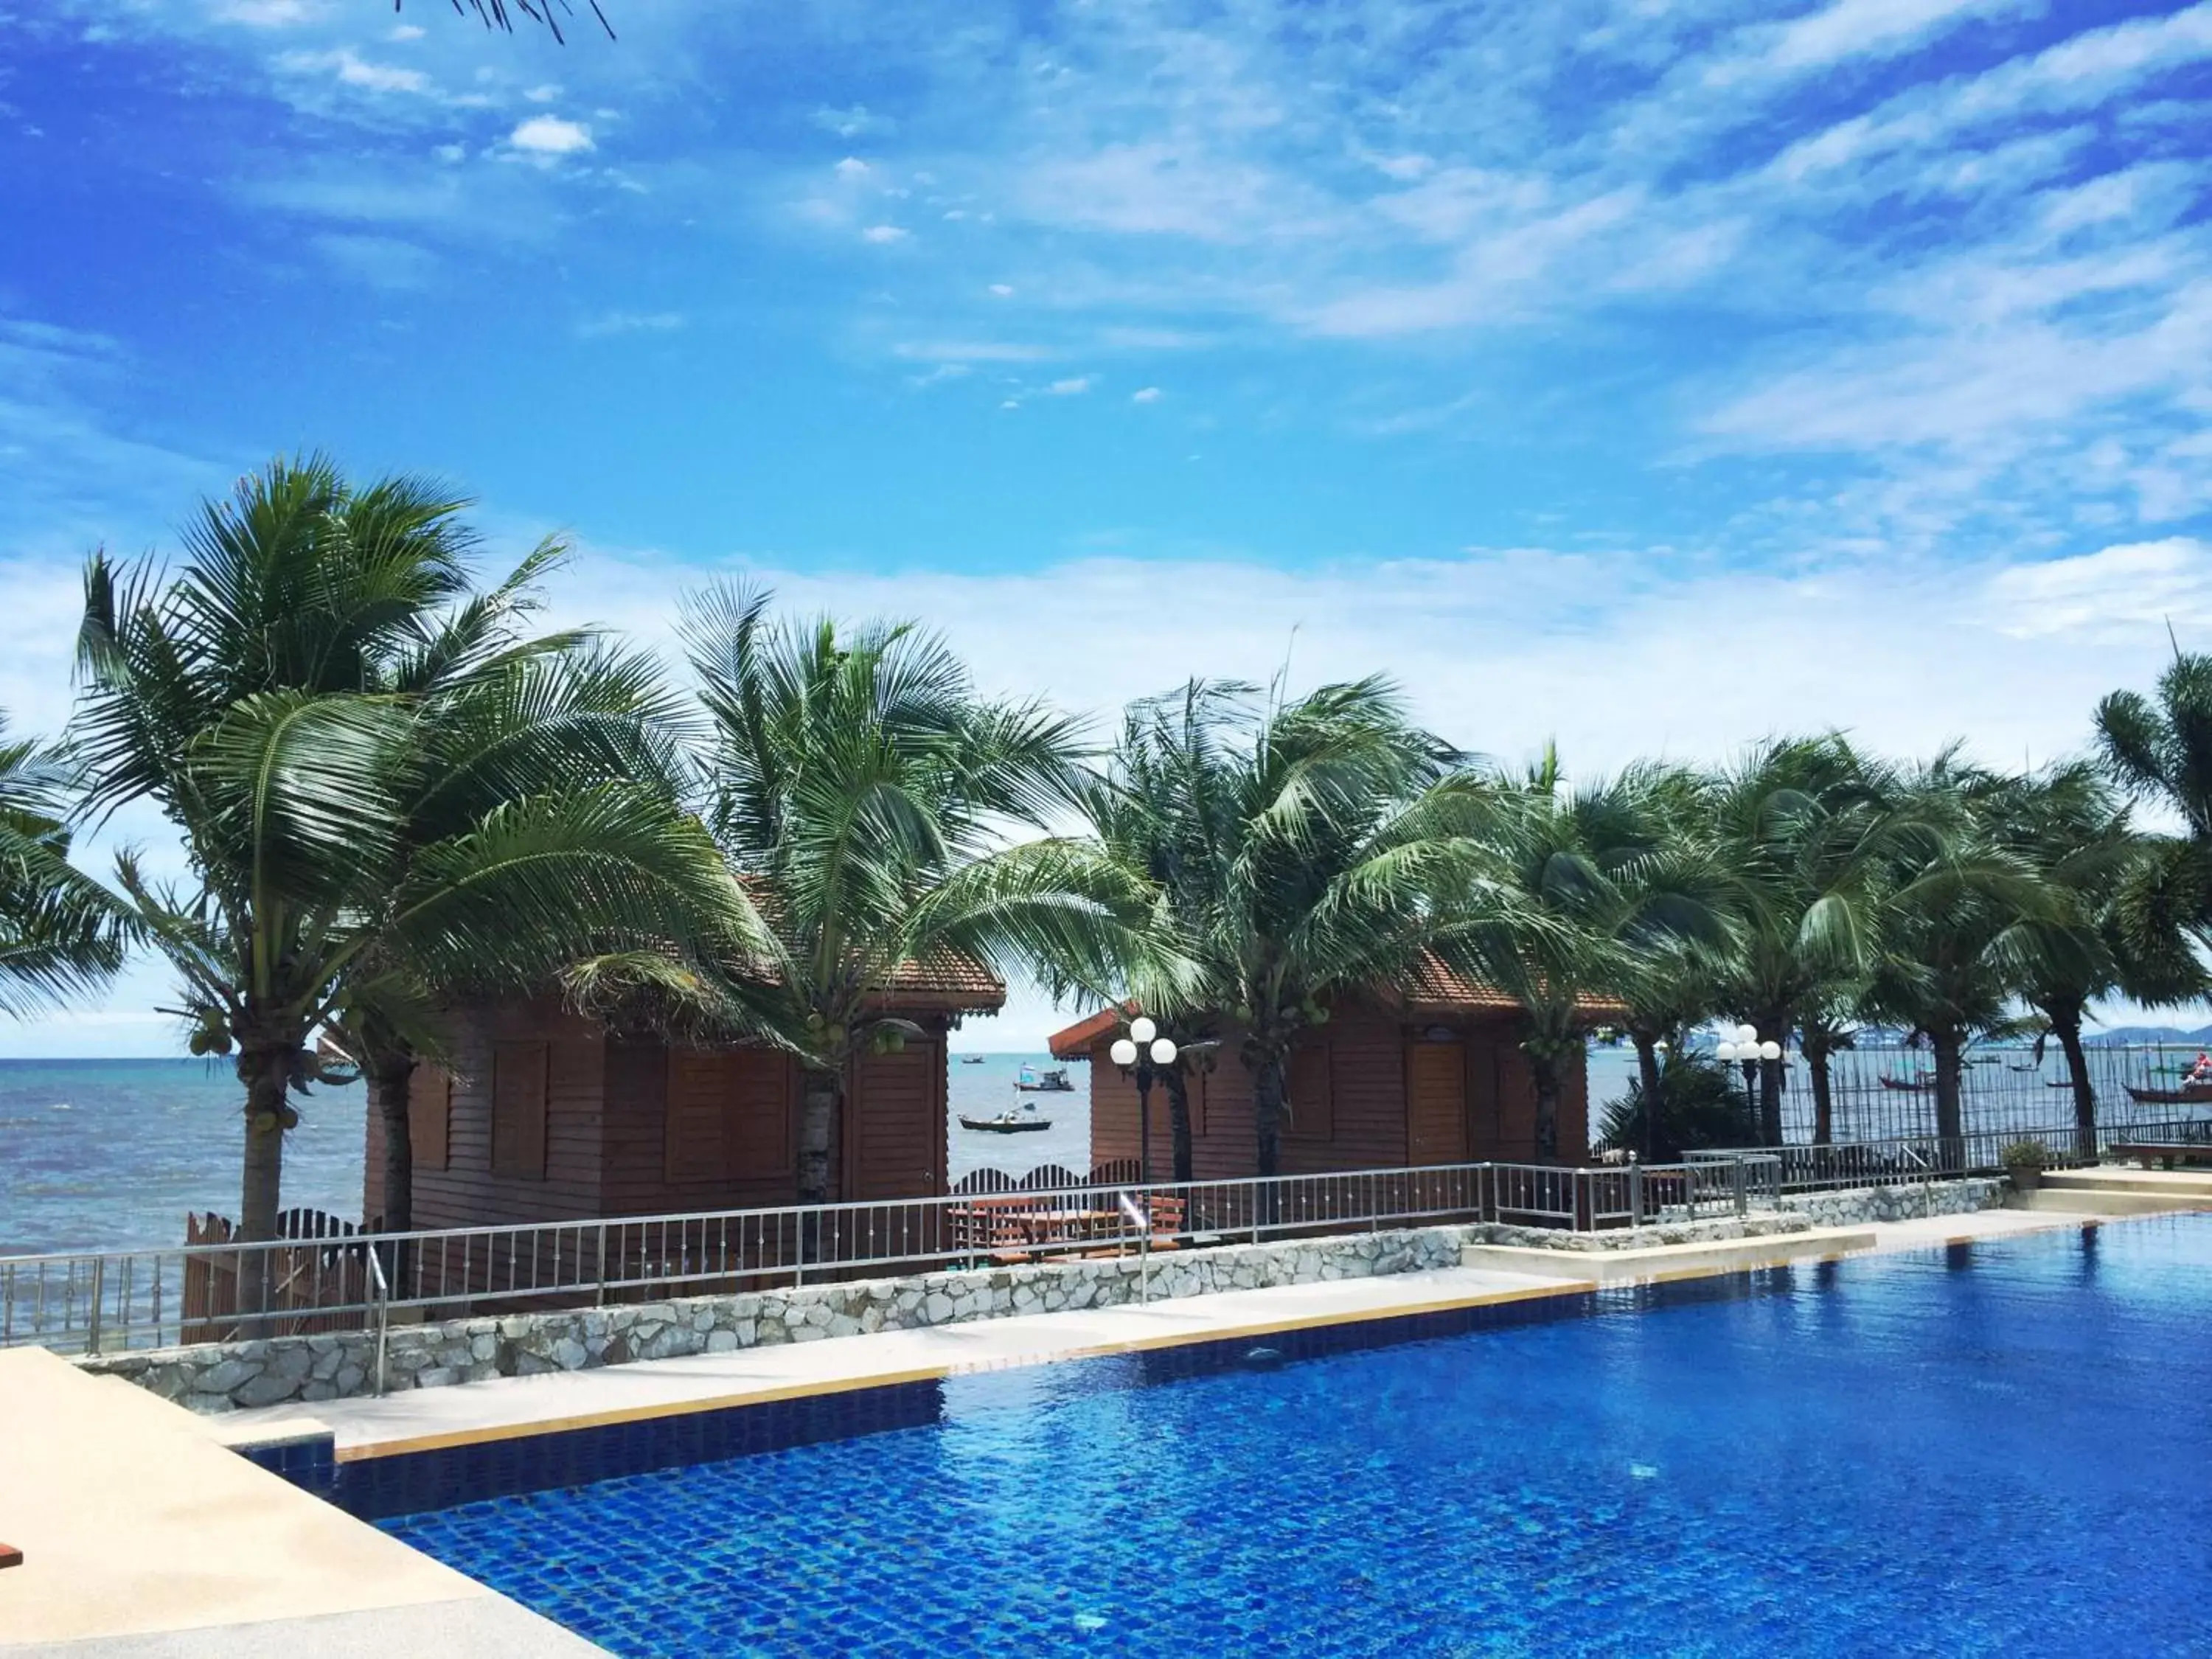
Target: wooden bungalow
(1437,1077)
(548,1114)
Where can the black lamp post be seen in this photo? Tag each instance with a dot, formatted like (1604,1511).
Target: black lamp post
(1144,1053)
(1754,1054)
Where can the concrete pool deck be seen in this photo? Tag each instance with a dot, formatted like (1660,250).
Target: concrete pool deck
(144,1535)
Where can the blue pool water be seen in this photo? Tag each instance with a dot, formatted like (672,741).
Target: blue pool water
(2000,1450)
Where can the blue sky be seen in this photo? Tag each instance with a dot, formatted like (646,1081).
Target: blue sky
(1653,376)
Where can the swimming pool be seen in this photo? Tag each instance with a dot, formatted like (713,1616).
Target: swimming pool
(2005,1448)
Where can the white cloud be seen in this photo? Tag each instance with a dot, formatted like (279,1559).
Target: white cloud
(352,70)
(629,322)
(1073,386)
(388,262)
(1149,394)
(883,234)
(851,167)
(550,135)
(2128,592)
(404,31)
(544,94)
(265,14)
(1002,290)
(850,123)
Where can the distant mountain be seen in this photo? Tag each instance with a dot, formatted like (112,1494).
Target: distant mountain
(2120,1036)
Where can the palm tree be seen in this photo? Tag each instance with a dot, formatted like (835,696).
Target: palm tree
(270,699)
(2066,823)
(2160,752)
(1598,889)
(1802,825)
(61,933)
(531,757)
(1302,850)
(1964,918)
(862,789)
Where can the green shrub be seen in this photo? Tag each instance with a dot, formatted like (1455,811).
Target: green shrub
(2026,1155)
(1700,1105)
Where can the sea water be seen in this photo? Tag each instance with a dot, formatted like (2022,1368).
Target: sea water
(111,1154)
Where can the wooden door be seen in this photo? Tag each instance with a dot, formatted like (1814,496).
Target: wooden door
(894,1125)
(1436,1103)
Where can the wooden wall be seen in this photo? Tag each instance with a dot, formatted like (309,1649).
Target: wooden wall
(549,1117)
(1349,1101)
(533,1152)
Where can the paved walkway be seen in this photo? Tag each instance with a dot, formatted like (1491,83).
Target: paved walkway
(138,1528)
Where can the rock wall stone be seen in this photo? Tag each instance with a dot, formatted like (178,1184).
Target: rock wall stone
(1854,1207)
(229,1375)
(224,1376)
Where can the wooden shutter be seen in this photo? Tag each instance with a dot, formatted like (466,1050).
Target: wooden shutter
(728,1116)
(1436,1103)
(757,1128)
(429,1115)
(1313,1094)
(694,1147)
(1196,1091)
(518,1111)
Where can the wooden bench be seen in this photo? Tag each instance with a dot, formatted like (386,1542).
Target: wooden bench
(2147,1152)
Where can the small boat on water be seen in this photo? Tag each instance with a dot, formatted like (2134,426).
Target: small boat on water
(1053,1080)
(1920,1085)
(971,1059)
(2188,1094)
(1006,1123)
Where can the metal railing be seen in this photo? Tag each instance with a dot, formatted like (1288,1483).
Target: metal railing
(1914,1158)
(364,1282)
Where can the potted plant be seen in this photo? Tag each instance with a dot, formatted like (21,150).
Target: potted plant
(2025,1161)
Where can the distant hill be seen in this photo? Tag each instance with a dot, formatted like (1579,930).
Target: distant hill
(2119,1037)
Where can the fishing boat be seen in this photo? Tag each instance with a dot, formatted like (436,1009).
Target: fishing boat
(971,1059)
(1920,1085)
(2188,1094)
(1006,1123)
(1053,1080)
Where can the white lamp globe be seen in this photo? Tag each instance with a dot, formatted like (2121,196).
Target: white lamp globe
(1142,1031)
(1769,1049)
(1164,1053)
(1724,1052)
(1747,1036)
(1123,1053)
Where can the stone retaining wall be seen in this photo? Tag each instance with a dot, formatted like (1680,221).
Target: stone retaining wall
(221,1377)
(1857,1206)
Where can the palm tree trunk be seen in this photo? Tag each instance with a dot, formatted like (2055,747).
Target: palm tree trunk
(1267,1110)
(821,1115)
(1950,1116)
(1546,1072)
(2066,1021)
(822,1093)
(1824,1105)
(391,1091)
(1178,1087)
(1646,1066)
(1770,1102)
(266,1070)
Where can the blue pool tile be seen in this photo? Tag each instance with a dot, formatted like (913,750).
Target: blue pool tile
(1935,1454)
